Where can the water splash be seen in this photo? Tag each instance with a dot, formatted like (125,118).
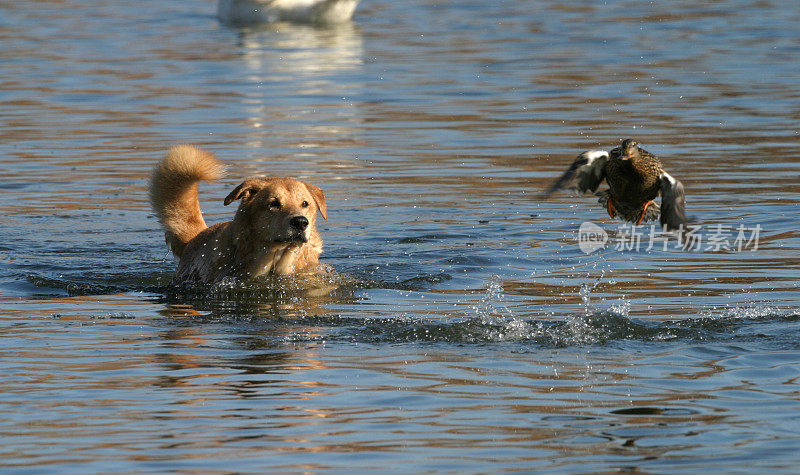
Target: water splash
(490,306)
(496,322)
(585,293)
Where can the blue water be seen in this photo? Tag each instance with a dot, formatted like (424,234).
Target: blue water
(468,331)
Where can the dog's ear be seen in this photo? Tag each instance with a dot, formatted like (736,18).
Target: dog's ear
(245,190)
(319,198)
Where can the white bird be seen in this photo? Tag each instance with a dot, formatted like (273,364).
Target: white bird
(316,12)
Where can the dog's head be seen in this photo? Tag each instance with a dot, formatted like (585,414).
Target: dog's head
(279,209)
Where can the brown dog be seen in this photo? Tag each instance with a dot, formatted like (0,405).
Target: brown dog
(273,231)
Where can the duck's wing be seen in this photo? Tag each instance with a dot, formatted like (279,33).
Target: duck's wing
(588,170)
(673,203)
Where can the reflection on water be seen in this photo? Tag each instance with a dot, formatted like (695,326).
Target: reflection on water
(291,67)
(465,329)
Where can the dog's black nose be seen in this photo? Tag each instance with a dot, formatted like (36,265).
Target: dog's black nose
(299,222)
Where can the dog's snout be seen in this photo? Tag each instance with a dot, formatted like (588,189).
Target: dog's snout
(299,222)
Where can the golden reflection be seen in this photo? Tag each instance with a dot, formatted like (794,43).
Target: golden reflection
(258,348)
(572,397)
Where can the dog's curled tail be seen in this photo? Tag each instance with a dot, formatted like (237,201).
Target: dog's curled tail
(173,192)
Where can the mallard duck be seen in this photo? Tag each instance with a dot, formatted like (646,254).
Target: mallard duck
(635,178)
(318,12)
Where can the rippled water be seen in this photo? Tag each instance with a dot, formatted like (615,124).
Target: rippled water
(468,331)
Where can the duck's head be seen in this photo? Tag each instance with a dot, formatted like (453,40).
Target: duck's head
(629,149)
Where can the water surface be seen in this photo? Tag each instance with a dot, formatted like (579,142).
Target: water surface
(469,331)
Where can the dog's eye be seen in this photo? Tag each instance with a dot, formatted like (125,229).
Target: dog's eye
(304,204)
(275,204)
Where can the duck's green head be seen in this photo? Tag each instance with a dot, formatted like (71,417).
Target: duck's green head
(630,148)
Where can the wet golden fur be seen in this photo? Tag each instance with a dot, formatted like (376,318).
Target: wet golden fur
(272,232)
